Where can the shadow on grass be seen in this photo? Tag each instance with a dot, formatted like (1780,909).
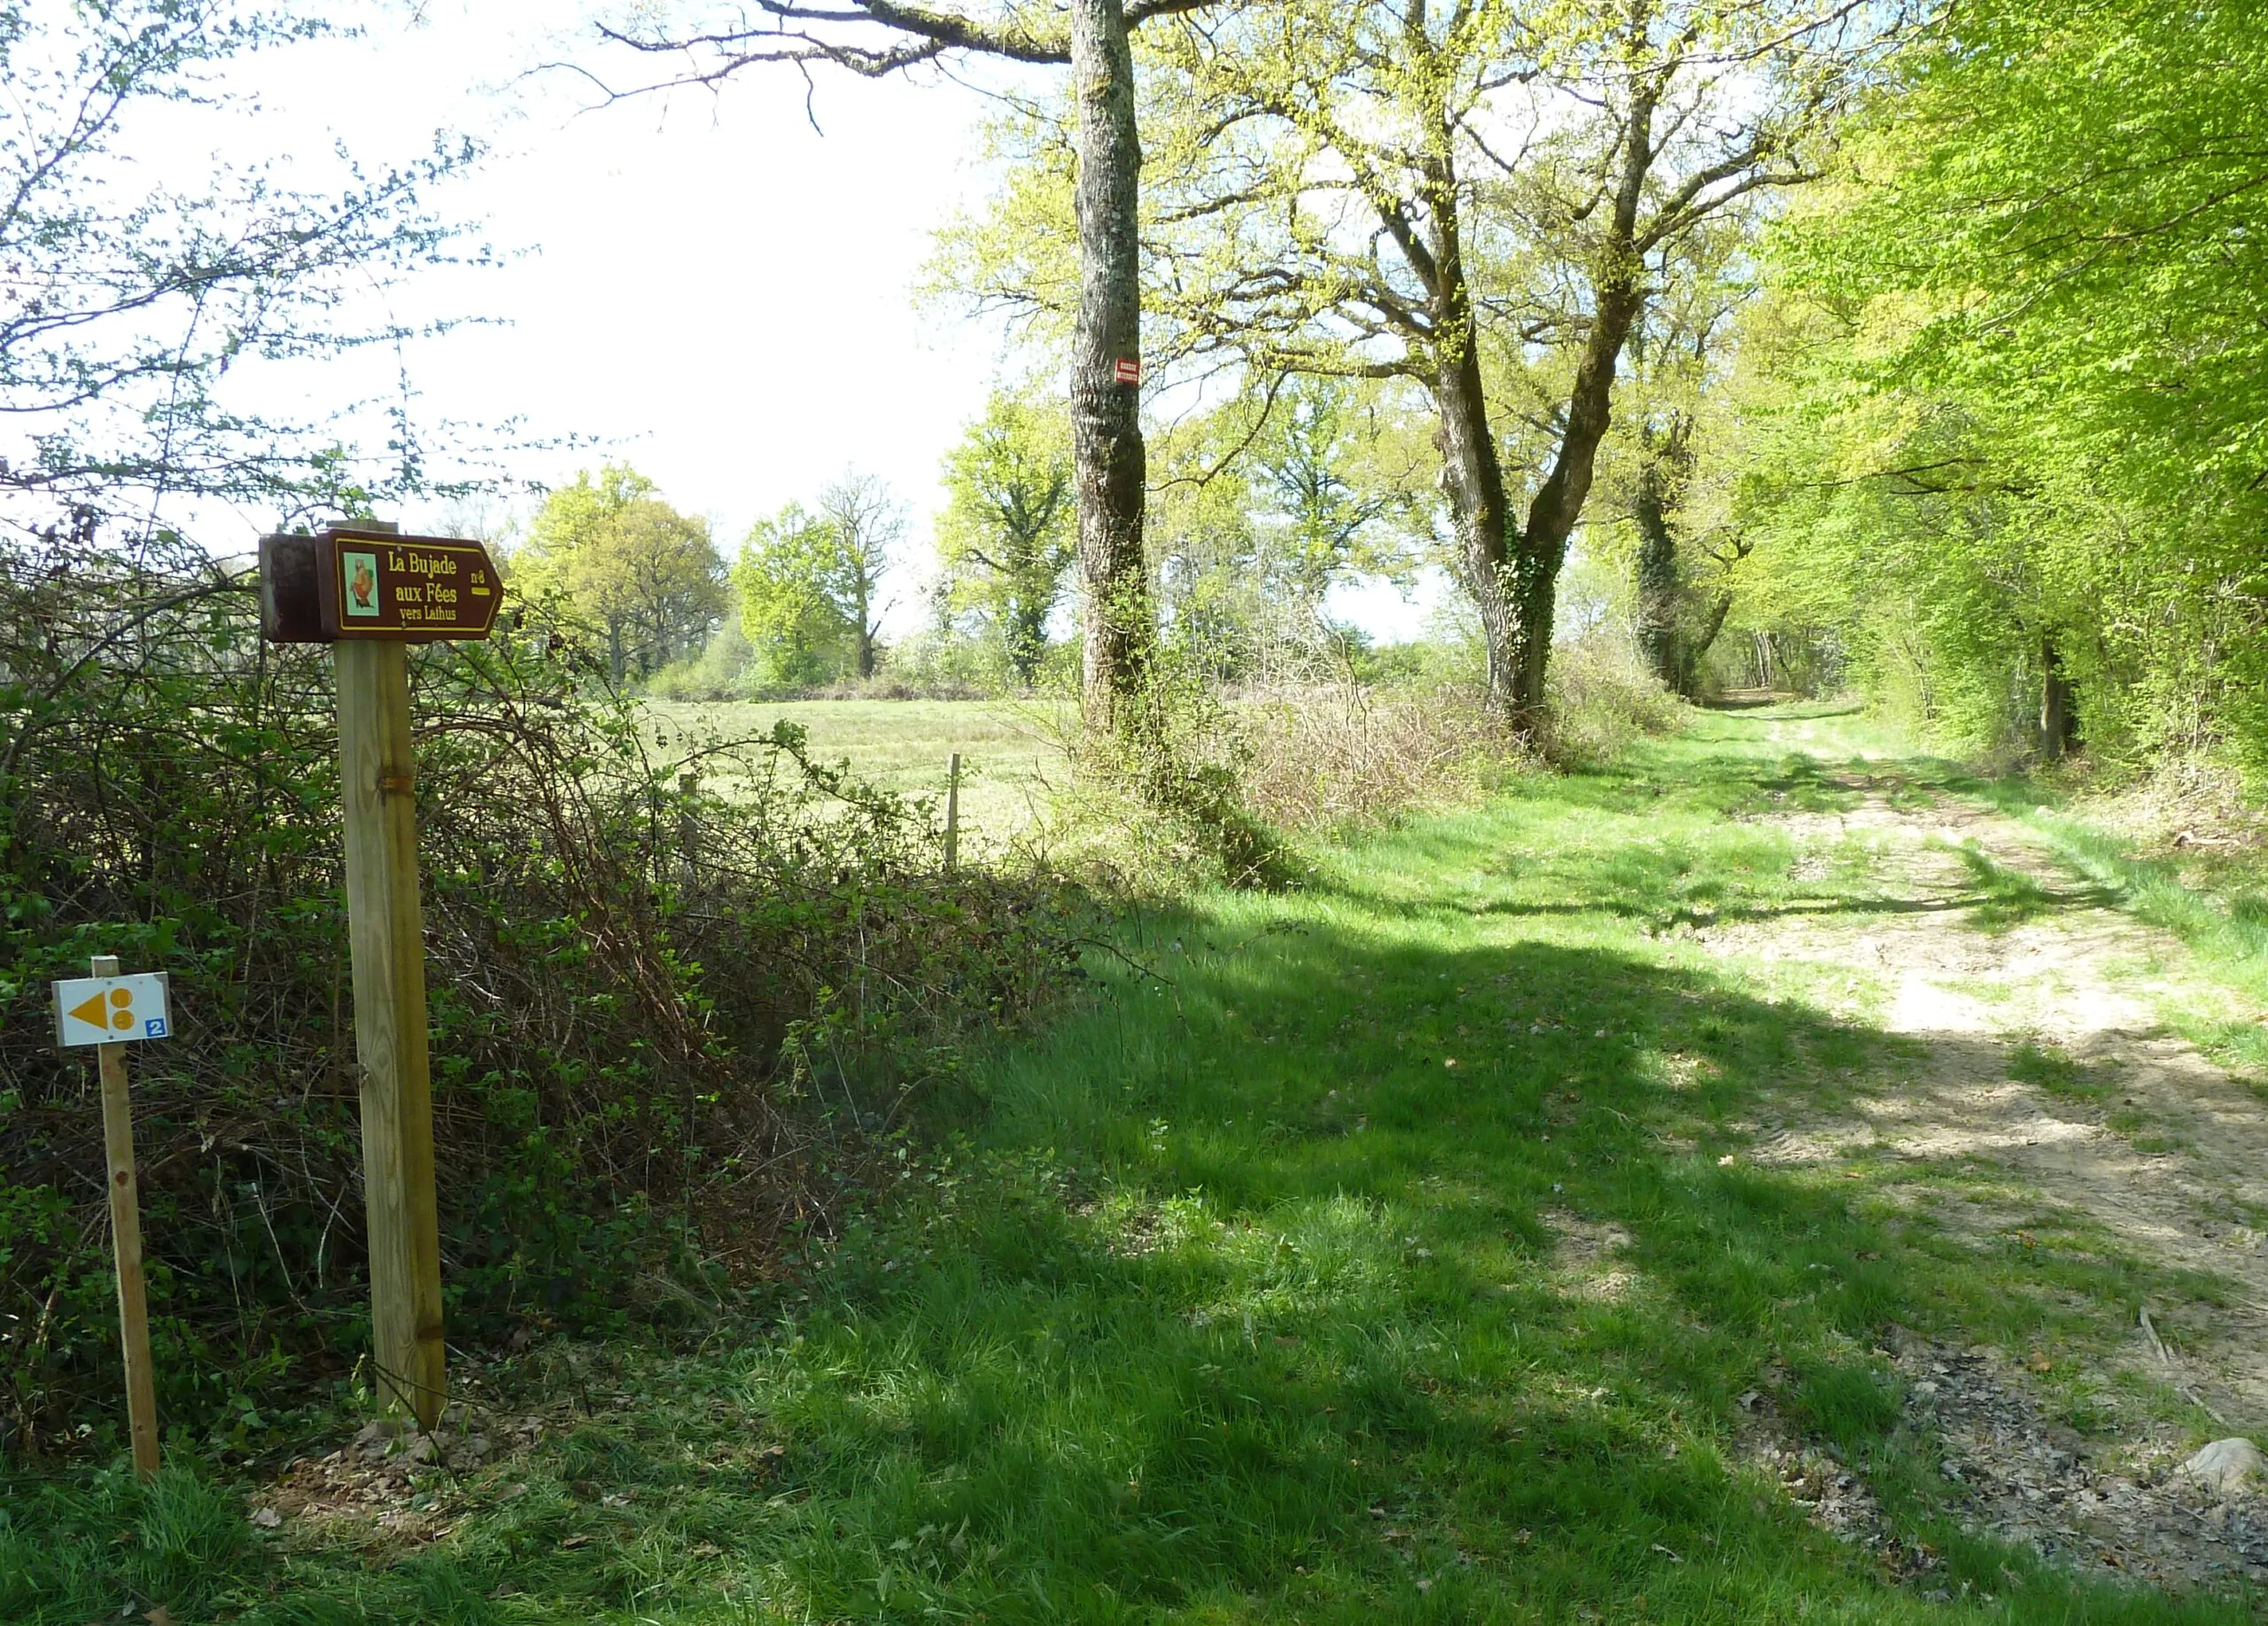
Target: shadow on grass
(1364,1267)
(2009,898)
(1296,1345)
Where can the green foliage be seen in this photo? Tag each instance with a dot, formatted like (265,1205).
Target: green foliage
(142,303)
(808,585)
(1159,798)
(2009,419)
(720,671)
(656,1015)
(1340,489)
(789,611)
(1262,505)
(645,577)
(1008,532)
(1603,701)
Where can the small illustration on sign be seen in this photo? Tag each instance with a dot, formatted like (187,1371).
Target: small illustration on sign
(361,584)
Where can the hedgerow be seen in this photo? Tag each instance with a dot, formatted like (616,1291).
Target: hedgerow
(677,996)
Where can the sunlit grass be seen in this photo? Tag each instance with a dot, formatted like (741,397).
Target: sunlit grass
(1011,751)
(1241,1295)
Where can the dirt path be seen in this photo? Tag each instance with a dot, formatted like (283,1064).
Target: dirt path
(2047,1104)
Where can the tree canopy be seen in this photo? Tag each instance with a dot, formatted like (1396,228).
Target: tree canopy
(2003,410)
(645,577)
(809,583)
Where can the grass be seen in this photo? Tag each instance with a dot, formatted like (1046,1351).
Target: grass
(1009,750)
(2224,921)
(2046,1067)
(1240,1296)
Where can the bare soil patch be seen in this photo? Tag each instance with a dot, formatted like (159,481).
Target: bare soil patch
(2046,1082)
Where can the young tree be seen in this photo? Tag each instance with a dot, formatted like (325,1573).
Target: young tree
(646,576)
(880,37)
(1006,535)
(865,524)
(1328,504)
(1427,188)
(799,632)
(132,311)
(809,583)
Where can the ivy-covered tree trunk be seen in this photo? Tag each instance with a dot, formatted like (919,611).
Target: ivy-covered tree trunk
(1514,571)
(1024,629)
(1673,632)
(1108,457)
(2059,716)
(1472,472)
(1551,518)
(1660,588)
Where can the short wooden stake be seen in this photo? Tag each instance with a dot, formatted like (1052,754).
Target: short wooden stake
(688,824)
(953,810)
(125,1246)
(386,939)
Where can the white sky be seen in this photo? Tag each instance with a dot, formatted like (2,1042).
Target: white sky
(703,286)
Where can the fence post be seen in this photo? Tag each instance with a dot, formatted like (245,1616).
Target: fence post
(953,811)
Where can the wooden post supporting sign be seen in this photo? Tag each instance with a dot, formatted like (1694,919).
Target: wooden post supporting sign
(109,1011)
(371,593)
(387,942)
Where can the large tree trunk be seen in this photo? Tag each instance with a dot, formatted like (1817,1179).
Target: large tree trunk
(1660,595)
(1672,632)
(1025,626)
(1558,504)
(1618,295)
(1514,576)
(2059,716)
(1107,452)
(1473,479)
(1472,470)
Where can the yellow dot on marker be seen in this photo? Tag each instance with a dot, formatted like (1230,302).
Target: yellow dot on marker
(122,1019)
(121,996)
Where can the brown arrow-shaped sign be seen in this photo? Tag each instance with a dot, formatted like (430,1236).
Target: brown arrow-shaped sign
(412,589)
(345,584)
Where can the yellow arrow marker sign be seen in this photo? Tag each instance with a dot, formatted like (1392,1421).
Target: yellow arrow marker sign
(110,1010)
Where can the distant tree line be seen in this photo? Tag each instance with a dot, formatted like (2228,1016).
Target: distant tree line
(1263,510)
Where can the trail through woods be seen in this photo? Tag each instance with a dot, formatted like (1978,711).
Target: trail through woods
(2045,1099)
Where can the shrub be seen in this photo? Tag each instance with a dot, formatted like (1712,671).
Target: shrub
(1337,757)
(663,1016)
(1158,804)
(724,670)
(1602,699)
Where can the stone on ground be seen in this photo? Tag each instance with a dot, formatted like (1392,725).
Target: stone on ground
(2226,1465)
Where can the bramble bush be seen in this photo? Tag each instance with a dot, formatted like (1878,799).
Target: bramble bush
(671,1015)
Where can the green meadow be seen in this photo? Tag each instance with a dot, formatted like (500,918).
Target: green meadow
(1011,751)
(1271,1283)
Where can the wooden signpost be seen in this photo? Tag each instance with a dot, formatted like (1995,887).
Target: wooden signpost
(109,1011)
(370,593)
